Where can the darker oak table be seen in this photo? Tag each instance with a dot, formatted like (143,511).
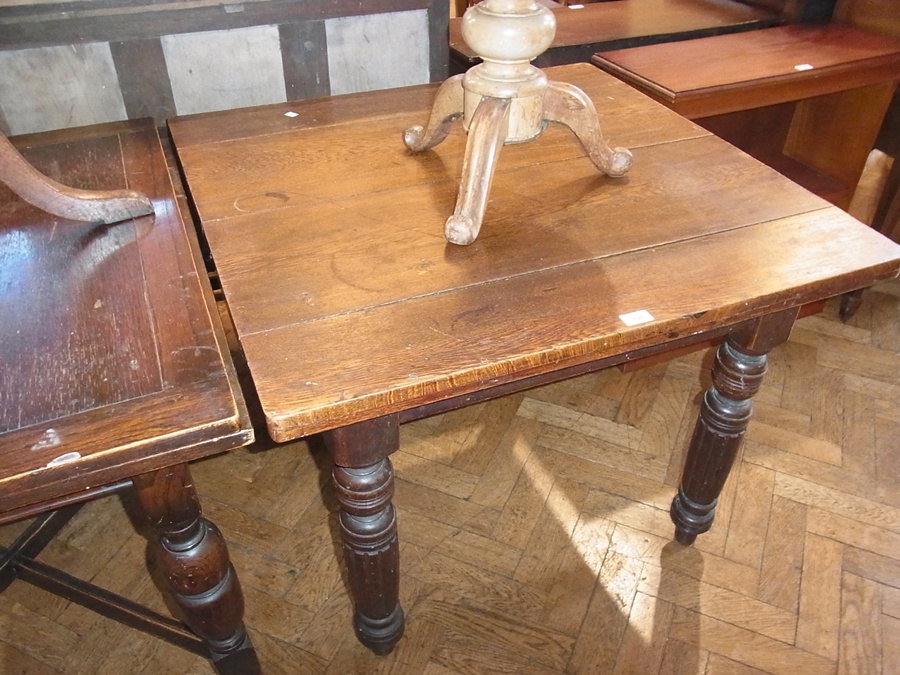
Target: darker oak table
(355,314)
(113,378)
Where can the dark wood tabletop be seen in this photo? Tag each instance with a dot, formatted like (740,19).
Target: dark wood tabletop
(108,345)
(115,375)
(356,314)
(112,364)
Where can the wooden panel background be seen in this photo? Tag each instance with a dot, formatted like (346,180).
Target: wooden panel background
(67,63)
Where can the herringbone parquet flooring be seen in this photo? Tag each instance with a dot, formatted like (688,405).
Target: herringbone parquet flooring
(536,538)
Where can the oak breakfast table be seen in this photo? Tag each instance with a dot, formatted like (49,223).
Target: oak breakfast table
(355,314)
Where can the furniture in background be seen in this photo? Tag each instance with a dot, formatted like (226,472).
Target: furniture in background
(624,23)
(118,59)
(113,379)
(355,315)
(808,100)
(887,215)
(882,16)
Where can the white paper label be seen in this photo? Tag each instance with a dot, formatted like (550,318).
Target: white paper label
(636,318)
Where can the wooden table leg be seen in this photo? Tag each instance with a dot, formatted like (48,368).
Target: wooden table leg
(196,569)
(487,132)
(364,484)
(724,415)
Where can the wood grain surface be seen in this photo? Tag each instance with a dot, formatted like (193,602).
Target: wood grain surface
(350,304)
(536,537)
(109,347)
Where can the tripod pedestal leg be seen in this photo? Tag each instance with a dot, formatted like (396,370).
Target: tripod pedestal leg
(567,104)
(46,194)
(487,131)
(448,105)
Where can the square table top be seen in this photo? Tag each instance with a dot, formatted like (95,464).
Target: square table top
(350,304)
(111,348)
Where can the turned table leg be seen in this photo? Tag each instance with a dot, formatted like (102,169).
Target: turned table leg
(724,415)
(197,571)
(364,484)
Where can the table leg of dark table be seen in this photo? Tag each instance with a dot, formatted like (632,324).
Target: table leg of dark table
(195,567)
(364,485)
(724,415)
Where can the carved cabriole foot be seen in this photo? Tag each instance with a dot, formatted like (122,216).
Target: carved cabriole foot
(448,105)
(193,560)
(487,132)
(364,485)
(110,206)
(568,105)
(724,415)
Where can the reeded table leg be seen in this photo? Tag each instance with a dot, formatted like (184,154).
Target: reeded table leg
(193,559)
(364,484)
(724,415)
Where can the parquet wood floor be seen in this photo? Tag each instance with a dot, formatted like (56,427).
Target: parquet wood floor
(536,537)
